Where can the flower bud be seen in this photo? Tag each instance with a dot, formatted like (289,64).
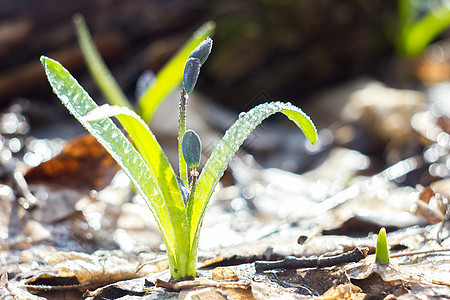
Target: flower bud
(202,51)
(192,148)
(191,71)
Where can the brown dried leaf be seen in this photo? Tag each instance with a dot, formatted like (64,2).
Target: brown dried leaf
(270,290)
(82,164)
(426,194)
(217,293)
(102,266)
(16,292)
(343,291)
(76,270)
(204,293)
(377,279)
(224,274)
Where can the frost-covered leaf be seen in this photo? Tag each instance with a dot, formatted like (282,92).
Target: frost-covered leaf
(229,145)
(79,103)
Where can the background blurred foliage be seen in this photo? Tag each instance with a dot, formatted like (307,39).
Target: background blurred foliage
(289,49)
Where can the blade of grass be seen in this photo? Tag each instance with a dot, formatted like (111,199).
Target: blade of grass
(228,146)
(170,76)
(79,103)
(97,67)
(422,33)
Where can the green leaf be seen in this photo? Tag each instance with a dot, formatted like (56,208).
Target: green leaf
(79,103)
(382,252)
(159,166)
(150,150)
(416,32)
(171,75)
(423,32)
(97,67)
(228,146)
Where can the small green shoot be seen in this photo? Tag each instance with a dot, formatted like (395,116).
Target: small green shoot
(97,67)
(420,25)
(177,204)
(382,252)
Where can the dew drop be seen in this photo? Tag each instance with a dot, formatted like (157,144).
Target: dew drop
(114,134)
(64,99)
(242,114)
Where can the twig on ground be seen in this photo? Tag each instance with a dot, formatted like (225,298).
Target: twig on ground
(199,283)
(292,262)
(419,252)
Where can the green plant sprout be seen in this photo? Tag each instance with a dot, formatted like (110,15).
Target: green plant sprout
(178,206)
(382,252)
(417,29)
(167,79)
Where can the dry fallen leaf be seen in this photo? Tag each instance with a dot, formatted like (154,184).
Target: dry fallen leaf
(343,291)
(374,278)
(225,274)
(82,164)
(85,271)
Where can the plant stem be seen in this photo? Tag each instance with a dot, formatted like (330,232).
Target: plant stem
(188,253)
(181,130)
(194,175)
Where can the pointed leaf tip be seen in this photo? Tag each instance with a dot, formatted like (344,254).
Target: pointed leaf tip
(229,145)
(382,252)
(77,18)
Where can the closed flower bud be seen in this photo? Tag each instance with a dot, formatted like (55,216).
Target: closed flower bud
(192,148)
(202,51)
(191,71)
